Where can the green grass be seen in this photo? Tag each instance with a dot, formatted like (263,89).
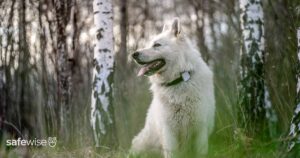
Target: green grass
(226,142)
(132,99)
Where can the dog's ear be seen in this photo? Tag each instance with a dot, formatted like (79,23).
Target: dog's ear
(176,27)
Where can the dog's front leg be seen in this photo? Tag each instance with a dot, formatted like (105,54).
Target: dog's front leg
(169,143)
(202,143)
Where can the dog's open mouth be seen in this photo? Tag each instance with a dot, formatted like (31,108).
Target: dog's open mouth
(151,67)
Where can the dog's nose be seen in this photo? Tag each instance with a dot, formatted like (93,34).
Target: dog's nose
(135,55)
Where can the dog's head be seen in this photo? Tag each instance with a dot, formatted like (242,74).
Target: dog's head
(165,53)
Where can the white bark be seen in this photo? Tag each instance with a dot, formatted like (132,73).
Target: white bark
(255,94)
(101,113)
(270,112)
(252,26)
(295,123)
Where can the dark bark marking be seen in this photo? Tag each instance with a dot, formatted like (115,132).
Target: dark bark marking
(95,62)
(102,88)
(108,12)
(105,50)
(98,68)
(99,33)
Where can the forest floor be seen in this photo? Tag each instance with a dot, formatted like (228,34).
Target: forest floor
(245,147)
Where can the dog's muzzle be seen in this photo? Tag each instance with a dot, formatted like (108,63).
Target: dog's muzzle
(148,67)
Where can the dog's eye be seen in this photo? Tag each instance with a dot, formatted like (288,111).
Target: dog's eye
(156,45)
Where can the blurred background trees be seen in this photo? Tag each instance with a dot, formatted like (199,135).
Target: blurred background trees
(62,16)
(46,63)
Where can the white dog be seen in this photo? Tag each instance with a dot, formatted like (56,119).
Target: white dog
(181,115)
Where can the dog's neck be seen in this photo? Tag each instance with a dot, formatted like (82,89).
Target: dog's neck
(183,77)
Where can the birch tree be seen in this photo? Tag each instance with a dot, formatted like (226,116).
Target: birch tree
(294,133)
(254,94)
(102,117)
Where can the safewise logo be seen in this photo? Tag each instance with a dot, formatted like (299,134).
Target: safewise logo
(51,142)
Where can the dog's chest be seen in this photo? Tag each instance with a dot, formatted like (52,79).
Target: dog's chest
(181,114)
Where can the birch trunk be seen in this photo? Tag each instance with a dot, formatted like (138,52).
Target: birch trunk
(295,123)
(102,116)
(254,95)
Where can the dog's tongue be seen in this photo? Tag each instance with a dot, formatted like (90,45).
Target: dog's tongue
(146,69)
(143,70)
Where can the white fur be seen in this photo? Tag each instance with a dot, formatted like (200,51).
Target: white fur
(180,111)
